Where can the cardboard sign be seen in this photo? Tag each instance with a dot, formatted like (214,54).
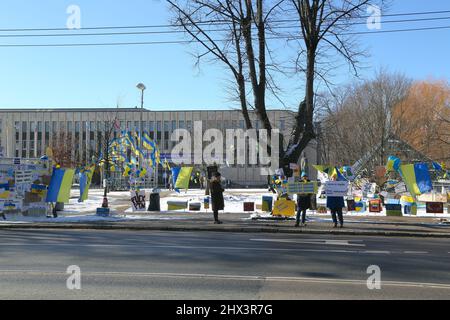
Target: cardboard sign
(267,203)
(249,206)
(435,207)
(138,201)
(351,205)
(394,210)
(336,188)
(302,188)
(206,203)
(12,204)
(284,208)
(433,197)
(177,205)
(401,188)
(24,176)
(375,206)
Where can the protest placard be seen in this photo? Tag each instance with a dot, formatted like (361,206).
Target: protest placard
(138,200)
(336,188)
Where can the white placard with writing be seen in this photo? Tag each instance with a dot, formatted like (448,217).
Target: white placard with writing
(336,188)
(138,201)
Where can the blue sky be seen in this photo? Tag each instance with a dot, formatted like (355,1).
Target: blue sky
(106,76)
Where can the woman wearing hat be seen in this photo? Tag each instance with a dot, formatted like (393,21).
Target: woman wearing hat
(303,204)
(217,197)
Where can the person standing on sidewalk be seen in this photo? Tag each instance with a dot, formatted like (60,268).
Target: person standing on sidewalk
(303,204)
(217,196)
(336,204)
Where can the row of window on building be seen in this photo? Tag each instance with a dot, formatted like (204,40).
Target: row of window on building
(33,137)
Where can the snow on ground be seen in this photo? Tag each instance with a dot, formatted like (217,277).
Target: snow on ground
(120,205)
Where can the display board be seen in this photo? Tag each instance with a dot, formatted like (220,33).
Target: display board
(23,184)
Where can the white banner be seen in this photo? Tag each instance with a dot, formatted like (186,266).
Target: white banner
(336,188)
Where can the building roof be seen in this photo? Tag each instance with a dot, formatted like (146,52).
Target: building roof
(119,110)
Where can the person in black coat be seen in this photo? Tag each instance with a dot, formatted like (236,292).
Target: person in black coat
(336,204)
(217,197)
(303,204)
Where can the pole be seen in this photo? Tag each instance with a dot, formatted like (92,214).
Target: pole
(7,142)
(141,160)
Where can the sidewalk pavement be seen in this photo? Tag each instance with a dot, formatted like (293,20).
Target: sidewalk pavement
(241,222)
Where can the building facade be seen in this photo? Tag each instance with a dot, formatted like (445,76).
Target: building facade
(26,133)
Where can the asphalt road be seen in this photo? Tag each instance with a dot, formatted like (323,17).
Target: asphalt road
(208,265)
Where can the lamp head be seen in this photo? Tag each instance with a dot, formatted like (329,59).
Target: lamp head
(141,86)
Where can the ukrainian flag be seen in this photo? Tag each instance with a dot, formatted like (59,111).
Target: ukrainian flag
(4,191)
(393,164)
(127,171)
(60,185)
(129,138)
(137,138)
(157,156)
(147,142)
(139,152)
(142,173)
(184,177)
(417,178)
(85,183)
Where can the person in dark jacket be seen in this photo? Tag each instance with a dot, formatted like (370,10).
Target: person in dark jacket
(336,204)
(303,204)
(217,197)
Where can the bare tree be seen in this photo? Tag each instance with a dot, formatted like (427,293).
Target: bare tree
(193,17)
(244,49)
(360,119)
(324,26)
(103,154)
(63,151)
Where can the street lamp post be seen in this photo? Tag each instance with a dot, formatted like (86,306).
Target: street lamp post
(141,87)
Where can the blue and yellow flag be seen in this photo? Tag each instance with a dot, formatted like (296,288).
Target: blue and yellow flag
(393,164)
(60,185)
(184,177)
(85,183)
(148,143)
(127,171)
(417,178)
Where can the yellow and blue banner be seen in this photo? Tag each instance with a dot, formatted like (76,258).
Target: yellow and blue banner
(60,185)
(417,178)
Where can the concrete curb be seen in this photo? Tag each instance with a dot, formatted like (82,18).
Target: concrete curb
(222,228)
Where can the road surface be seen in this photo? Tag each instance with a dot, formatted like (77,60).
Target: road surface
(208,265)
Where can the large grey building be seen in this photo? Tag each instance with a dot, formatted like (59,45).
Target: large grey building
(26,133)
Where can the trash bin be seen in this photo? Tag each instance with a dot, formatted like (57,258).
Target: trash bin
(59,206)
(154,202)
